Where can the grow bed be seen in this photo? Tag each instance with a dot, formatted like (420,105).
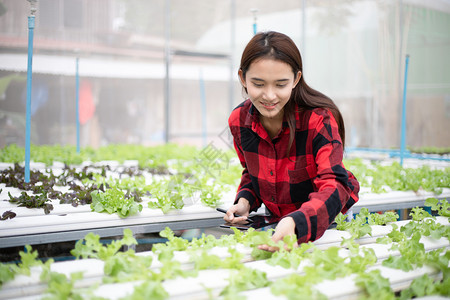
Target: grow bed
(380,261)
(73,220)
(66,222)
(404,258)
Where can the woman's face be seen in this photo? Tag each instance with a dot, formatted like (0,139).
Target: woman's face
(269,85)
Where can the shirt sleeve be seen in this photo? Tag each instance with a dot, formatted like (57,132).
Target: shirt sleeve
(333,189)
(245,189)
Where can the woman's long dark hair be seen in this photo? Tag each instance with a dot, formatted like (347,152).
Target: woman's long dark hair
(280,47)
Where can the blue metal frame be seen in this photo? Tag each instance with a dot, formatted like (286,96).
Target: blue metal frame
(31,24)
(403,127)
(77,101)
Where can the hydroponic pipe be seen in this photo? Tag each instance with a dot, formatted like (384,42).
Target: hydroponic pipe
(403,128)
(396,153)
(420,156)
(29,79)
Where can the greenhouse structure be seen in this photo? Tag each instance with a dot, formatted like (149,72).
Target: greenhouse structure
(174,149)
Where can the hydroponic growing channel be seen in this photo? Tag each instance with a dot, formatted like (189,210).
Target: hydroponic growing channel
(150,188)
(93,194)
(402,259)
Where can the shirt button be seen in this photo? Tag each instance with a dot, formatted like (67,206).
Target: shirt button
(271,173)
(273,199)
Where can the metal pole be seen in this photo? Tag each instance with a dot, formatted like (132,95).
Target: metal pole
(203,105)
(400,51)
(255,25)
(77,101)
(403,127)
(167,79)
(303,46)
(232,50)
(31,24)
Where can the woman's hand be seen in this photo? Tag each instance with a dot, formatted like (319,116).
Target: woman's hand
(284,228)
(241,208)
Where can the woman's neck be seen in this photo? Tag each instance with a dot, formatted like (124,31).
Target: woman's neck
(272,125)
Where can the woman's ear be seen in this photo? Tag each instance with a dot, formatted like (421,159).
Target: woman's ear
(241,77)
(297,78)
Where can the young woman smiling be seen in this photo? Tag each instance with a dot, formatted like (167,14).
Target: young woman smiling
(290,140)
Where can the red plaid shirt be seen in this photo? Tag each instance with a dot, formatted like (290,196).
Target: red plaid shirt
(312,185)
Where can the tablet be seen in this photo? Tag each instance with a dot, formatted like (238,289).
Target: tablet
(257,222)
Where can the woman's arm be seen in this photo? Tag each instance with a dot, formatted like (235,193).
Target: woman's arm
(332,183)
(245,189)
(332,180)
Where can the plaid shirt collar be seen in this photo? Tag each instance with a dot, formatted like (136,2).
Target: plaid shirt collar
(252,121)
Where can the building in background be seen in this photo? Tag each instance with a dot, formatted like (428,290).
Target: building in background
(353,50)
(122,75)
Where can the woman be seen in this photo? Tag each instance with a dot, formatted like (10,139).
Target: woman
(290,141)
